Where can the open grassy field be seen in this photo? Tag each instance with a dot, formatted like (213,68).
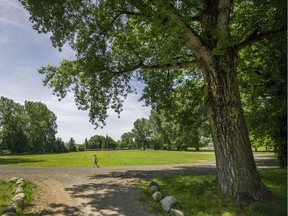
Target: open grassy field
(107,158)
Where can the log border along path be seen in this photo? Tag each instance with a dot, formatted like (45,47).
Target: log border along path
(103,191)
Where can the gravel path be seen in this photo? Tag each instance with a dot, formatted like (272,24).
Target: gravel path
(102,191)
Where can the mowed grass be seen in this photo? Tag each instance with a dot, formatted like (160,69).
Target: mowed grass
(200,196)
(107,158)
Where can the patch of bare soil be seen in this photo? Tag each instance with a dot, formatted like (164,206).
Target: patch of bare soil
(52,199)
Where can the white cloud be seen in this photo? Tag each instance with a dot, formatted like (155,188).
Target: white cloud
(12,18)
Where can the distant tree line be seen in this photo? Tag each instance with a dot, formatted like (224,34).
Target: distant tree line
(28,128)
(99,142)
(31,128)
(171,124)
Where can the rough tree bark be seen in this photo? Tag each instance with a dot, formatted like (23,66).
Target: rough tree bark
(237,174)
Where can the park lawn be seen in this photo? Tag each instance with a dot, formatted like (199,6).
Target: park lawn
(200,196)
(6,195)
(108,158)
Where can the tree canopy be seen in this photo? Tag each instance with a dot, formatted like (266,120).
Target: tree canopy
(115,41)
(27,128)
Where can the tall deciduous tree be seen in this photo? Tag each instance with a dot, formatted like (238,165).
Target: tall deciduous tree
(27,128)
(161,135)
(71,145)
(96,142)
(41,127)
(60,145)
(183,110)
(127,141)
(116,41)
(13,122)
(142,132)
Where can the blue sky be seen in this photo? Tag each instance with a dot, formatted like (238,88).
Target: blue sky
(22,52)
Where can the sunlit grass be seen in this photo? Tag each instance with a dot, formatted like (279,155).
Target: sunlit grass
(6,195)
(199,196)
(107,158)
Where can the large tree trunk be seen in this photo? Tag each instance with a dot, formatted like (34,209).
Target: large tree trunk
(236,169)
(237,174)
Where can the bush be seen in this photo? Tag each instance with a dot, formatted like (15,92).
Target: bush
(5,152)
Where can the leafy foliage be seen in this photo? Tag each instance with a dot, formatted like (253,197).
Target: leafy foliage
(41,127)
(27,128)
(117,42)
(127,141)
(142,132)
(71,145)
(263,77)
(13,122)
(100,142)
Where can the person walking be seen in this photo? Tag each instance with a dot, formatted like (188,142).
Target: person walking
(95,161)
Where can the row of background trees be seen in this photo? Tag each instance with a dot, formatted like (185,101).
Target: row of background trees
(32,127)
(27,128)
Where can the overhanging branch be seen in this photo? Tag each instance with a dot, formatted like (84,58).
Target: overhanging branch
(127,70)
(180,65)
(258,37)
(123,12)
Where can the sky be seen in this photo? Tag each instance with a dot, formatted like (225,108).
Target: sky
(23,51)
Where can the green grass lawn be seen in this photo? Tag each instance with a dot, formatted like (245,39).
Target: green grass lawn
(6,195)
(199,196)
(107,158)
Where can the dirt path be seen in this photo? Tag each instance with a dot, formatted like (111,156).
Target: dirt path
(101,191)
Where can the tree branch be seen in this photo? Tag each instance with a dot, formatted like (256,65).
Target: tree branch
(257,37)
(141,6)
(195,18)
(122,12)
(130,13)
(223,17)
(127,70)
(180,65)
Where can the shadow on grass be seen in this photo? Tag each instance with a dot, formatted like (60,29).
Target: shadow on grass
(149,174)
(266,161)
(11,161)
